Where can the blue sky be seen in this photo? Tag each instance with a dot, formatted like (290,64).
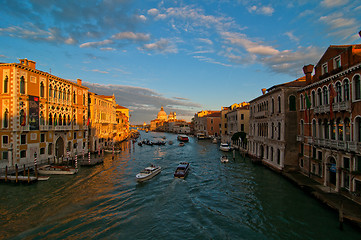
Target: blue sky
(184,55)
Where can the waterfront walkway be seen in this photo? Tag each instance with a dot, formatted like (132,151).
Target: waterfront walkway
(351,210)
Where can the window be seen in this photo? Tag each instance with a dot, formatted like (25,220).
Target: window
(292,103)
(242,127)
(6,84)
(338,92)
(279,104)
(302,149)
(319,157)
(346,90)
(50,119)
(324,68)
(242,116)
(357,90)
(23,139)
(279,131)
(74,96)
(22,118)
(347,129)
(325,95)
(319,96)
(23,154)
(346,163)
(50,91)
(55,92)
(273,105)
(314,153)
(326,129)
(358,129)
(5,155)
(333,130)
(42,119)
(75,135)
(22,85)
(314,128)
(278,156)
(42,151)
(337,62)
(313,98)
(6,119)
(302,131)
(339,129)
(41,89)
(42,137)
(302,105)
(83,99)
(5,139)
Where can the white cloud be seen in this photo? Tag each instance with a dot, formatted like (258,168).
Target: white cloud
(292,37)
(333,3)
(262,10)
(131,36)
(337,21)
(95,44)
(205,40)
(161,46)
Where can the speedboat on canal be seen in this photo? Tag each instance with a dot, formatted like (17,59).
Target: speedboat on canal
(224,159)
(181,144)
(183,138)
(148,173)
(182,170)
(224,147)
(59,170)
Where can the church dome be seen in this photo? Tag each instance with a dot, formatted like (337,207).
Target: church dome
(162,115)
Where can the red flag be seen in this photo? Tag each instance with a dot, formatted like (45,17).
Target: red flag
(88,122)
(332,96)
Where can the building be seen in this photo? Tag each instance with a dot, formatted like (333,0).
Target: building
(329,120)
(207,123)
(122,119)
(161,122)
(273,129)
(235,119)
(43,116)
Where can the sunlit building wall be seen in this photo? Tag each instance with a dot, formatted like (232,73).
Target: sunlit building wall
(43,116)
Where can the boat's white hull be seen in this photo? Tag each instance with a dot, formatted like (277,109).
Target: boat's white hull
(144,177)
(225,149)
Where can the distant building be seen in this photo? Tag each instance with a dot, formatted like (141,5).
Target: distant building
(207,123)
(273,129)
(162,120)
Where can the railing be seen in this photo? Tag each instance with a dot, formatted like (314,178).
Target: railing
(260,114)
(337,107)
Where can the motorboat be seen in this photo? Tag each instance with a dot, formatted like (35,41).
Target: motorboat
(224,147)
(140,144)
(201,136)
(181,144)
(182,170)
(183,138)
(148,173)
(170,142)
(111,150)
(214,140)
(224,159)
(59,170)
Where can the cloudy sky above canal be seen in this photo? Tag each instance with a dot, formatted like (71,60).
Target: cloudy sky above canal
(184,55)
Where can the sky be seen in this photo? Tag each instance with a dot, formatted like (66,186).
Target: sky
(186,56)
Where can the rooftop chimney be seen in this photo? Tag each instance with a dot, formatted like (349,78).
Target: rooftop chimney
(28,63)
(307,70)
(264,90)
(78,81)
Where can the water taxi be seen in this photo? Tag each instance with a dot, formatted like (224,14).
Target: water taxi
(183,138)
(224,159)
(58,170)
(224,147)
(148,172)
(182,170)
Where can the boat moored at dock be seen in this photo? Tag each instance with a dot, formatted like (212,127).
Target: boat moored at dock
(58,170)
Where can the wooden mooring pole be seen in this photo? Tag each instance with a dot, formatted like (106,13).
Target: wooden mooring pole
(16,173)
(340,215)
(6,173)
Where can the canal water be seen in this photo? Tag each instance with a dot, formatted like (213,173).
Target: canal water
(236,200)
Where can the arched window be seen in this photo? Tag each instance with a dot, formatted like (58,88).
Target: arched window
(41,89)
(74,97)
(60,92)
(55,92)
(22,85)
(346,90)
(42,120)
(6,84)
(50,119)
(64,95)
(302,128)
(279,131)
(326,129)
(319,96)
(83,99)
(339,129)
(333,129)
(314,128)
(302,105)
(22,118)
(278,156)
(313,98)
(273,105)
(55,119)
(358,128)
(357,88)
(60,120)
(69,122)
(68,95)
(320,128)
(83,120)
(50,91)
(338,92)
(325,95)
(347,129)
(279,104)
(6,119)
(292,103)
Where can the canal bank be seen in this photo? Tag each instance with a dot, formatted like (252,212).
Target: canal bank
(348,210)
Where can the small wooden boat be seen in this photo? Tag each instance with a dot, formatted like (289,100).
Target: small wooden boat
(224,159)
(53,169)
(43,178)
(182,170)
(140,144)
(148,173)
(170,142)
(183,138)
(181,144)
(224,147)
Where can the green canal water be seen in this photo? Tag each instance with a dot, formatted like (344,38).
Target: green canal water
(236,200)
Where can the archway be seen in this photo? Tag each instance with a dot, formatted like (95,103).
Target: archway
(262,151)
(59,147)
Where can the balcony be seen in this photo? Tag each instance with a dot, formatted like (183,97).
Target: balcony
(336,107)
(338,145)
(261,114)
